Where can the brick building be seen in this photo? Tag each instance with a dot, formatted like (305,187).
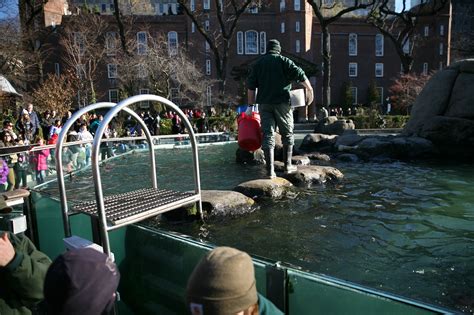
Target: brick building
(360,54)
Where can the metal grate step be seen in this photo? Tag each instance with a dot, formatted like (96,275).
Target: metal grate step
(133,206)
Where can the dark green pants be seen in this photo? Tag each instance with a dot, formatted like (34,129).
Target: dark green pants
(276,115)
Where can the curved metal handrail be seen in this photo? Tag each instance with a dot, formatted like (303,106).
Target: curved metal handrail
(95,155)
(58,155)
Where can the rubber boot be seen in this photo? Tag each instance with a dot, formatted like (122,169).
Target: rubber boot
(269,163)
(287,155)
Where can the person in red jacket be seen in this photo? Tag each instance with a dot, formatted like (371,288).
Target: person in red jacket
(40,162)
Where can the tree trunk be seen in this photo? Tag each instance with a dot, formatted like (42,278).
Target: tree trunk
(326,65)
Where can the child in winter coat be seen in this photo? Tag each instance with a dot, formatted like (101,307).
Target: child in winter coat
(40,162)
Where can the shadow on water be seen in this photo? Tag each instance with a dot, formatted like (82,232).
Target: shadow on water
(400,227)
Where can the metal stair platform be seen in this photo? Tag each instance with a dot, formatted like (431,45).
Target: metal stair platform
(134,206)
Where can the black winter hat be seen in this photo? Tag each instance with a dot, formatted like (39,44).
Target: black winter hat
(81,281)
(274,46)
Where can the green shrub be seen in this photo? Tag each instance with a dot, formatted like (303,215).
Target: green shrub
(364,121)
(165,126)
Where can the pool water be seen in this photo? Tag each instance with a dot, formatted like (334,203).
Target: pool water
(405,228)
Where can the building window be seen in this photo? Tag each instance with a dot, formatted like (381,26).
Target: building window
(144,104)
(193,27)
(142,43)
(252,9)
(380,90)
(172,43)
(379,70)
(297,46)
(282,27)
(240,43)
(251,43)
(80,71)
(57,69)
(441,49)
(206,25)
(379,43)
(297,26)
(406,46)
(441,30)
(353,95)
(112,7)
(112,71)
(263,43)
(207,47)
(297,5)
(144,91)
(208,96)
(425,68)
(206,4)
(113,96)
(110,43)
(103,8)
(192,6)
(282,5)
(142,71)
(352,44)
(174,94)
(427,31)
(353,69)
(79,43)
(208,67)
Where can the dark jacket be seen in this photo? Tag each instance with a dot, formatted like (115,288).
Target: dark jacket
(21,281)
(272,74)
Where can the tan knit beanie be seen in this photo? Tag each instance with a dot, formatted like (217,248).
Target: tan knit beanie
(222,283)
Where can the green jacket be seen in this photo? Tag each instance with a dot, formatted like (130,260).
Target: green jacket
(21,281)
(272,75)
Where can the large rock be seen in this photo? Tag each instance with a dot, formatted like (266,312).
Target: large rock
(272,188)
(224,202)
(318,142)
(444,111)
(333,126)
(247,157)
(308,175)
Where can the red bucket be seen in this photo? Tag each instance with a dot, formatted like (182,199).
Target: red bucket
(250,133)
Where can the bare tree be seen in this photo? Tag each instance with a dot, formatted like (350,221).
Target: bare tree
(227,15)
(328,12)
(85,50)
(400,26)
(56,93)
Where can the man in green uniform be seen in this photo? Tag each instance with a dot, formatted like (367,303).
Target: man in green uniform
(272,75)
(22,272)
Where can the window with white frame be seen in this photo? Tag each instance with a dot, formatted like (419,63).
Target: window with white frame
(297,5)
(206,5)
(144,91)
(240,43)
(172,43)
(441,49)
(379,45)
(282,5)
(297,26)
(208,96)
(425,68)
(110,43)
(57,69)
(80,71)
(441,30)
(282,27)
(297,46)
(252,9)
(208,67)
(112,7)
(352,44)
(142,43)
(79,43)
(426,31)
(380,91)
(353,69)
(193,27)
(263,43)
(192,5)
(251,43)
(379,70)
(142,71)
(144,104)
(353,91)
(112,71)
(206,25)
(113,96)
(103,8)
(207,47)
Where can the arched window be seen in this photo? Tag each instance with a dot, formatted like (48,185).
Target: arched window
(352,44)
(172,43)
(142,43)
(251,42)
(379,45)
